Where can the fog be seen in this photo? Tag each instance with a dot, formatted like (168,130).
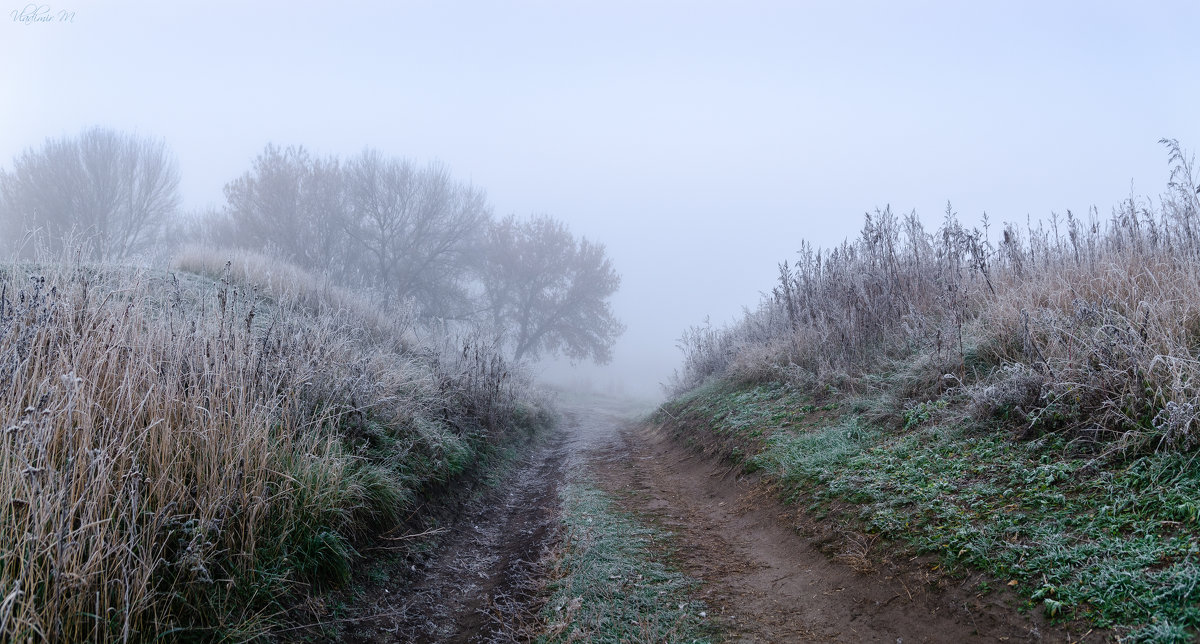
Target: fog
(700,142)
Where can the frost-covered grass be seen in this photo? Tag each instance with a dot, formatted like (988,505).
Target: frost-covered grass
(1084,326)
(185,456)
(610,583)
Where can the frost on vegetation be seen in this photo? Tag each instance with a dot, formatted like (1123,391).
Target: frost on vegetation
(1088,326)
(609,586)
(183,455)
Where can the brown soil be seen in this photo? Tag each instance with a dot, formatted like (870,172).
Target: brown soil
(769,574)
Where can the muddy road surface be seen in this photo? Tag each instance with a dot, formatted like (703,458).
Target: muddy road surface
(764,575)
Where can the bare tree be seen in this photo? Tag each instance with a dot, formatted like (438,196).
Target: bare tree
(373,221)
(549,292)
(293,204)
(118,191)
(418,230)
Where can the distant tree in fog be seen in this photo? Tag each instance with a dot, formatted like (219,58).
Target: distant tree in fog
(549,292)
(117,192)
(416,229)
(291,203)
(376,222)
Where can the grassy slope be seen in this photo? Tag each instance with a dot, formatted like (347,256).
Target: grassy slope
(189,456)
(1114,542)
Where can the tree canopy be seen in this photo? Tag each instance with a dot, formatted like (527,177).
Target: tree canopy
(114,191)
(550,292)
(404,232)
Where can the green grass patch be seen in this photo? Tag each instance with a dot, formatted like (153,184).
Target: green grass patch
(1116,544)
(611,584)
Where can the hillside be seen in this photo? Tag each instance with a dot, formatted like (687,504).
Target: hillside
(190,453)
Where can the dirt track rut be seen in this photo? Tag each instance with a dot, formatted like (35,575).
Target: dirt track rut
(482,584)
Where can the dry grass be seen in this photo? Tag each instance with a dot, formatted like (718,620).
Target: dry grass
(855,551)
(179,456)
(279,280)
(1096,320)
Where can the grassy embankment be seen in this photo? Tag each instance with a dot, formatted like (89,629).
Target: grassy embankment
(1026,408)
(188,454)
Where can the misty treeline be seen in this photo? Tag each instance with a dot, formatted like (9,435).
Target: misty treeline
(1088,325)
(409,235)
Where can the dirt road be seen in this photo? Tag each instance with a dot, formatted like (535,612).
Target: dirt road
(765,577)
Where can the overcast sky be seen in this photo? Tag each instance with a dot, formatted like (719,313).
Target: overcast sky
(699,141)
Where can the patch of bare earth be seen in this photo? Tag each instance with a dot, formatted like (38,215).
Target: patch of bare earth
(769,574)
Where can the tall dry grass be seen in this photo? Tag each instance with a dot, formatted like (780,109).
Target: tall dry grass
(277,279)
(180,456)
(1085,325)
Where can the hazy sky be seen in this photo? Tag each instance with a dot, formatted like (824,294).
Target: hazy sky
(700,141)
